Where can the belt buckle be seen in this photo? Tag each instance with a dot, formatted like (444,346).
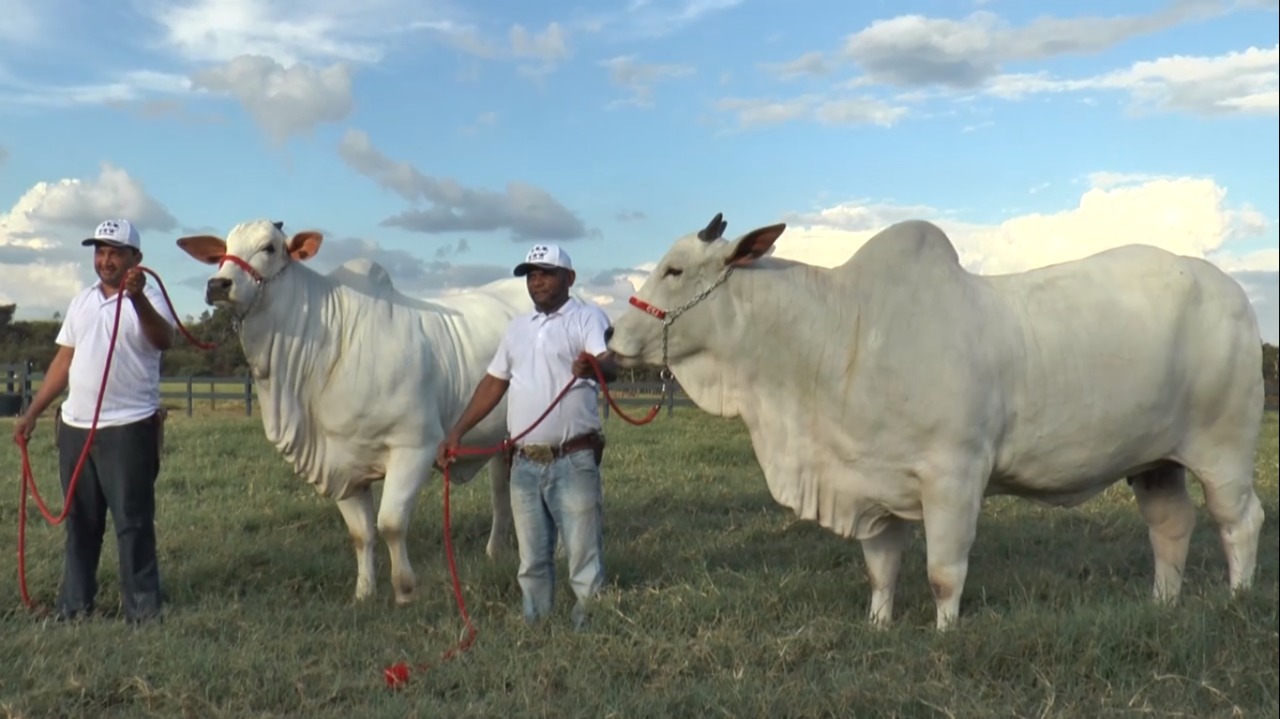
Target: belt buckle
(540,453)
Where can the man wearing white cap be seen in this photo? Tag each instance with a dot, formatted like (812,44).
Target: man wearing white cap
(120,471)
(555,474)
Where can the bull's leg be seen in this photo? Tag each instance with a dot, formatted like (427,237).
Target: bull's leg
(406,472)
(1163,501)
(357,510)
(952,503)
(883,554)
(1234,505)
(500,495)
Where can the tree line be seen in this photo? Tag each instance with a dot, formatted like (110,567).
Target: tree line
(34,340)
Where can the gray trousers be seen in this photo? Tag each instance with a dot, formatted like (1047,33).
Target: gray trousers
(118,475)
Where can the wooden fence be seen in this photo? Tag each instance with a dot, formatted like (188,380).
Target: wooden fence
(19,383)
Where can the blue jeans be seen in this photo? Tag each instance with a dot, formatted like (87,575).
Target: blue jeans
(565,495)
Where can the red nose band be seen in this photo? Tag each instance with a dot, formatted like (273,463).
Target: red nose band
(242,264)
(648,308)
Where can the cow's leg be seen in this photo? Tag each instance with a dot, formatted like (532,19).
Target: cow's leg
(357,510)
(952,502)
(500,495)
(883,554)
(1163,501)
(1227,479)
(406,471)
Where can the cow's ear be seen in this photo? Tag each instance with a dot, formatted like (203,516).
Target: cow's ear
(305,245)
(754,245)
(206,248)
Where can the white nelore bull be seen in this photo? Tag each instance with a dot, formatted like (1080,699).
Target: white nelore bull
(900,387)
(358,382)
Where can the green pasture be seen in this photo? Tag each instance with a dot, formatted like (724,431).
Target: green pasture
(719,604)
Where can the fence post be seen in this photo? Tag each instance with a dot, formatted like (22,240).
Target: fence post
(190,399)
(671,399)
(213,401)
(605,400)
(248,396)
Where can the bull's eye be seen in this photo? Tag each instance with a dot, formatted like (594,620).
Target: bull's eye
(269,249)
(673,272)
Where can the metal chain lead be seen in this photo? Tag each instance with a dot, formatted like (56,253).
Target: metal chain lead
(665,374)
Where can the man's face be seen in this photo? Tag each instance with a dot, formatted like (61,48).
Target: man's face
(548,286)
(112,262)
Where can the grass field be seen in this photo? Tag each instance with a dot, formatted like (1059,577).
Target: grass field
(719,605)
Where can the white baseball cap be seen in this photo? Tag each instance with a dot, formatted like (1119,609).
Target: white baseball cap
(545,256)
(117,233)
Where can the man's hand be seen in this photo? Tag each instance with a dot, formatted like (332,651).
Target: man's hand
(23,428)
(444,453)
(134,280)
(583,368)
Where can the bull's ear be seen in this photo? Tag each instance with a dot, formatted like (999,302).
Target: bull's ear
(206,248)
(754,245)
(304,245)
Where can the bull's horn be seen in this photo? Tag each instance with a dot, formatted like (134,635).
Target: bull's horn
(714,228)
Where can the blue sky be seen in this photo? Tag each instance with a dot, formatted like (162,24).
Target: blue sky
(444,138)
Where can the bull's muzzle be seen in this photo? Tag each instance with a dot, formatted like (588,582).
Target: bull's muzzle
(217,289)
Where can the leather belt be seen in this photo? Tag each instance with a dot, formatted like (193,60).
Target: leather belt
(548,453)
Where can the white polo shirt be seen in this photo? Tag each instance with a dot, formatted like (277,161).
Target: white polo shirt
(536,356)
(133,389)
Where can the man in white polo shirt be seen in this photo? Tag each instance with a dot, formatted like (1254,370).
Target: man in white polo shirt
(555,474)
(120,471)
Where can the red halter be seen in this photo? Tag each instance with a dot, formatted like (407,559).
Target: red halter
(647,308)
(242,264)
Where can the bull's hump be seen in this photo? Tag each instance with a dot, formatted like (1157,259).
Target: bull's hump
(365,276)
(907,244)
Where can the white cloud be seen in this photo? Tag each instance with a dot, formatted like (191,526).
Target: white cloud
(650,19)
(1245,82)
(283,101)
(121,87)
(290,31)
(639,78)
(860,110)
(527,211)
(22,21)
(810,64)
(550,47)
(42,263)
(1185,215)
(914,50)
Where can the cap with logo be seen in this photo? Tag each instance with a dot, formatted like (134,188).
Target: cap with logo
(117,233)
(546,257)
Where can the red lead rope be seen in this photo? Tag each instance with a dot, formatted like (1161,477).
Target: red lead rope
(28,478)
(397,675)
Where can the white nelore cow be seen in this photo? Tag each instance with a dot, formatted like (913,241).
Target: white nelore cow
(899,387)
(358,382)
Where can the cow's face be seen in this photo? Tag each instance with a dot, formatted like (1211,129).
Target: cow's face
(684,289)
(252,255)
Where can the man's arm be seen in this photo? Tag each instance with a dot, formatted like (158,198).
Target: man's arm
(155,327)
(488,394)
(608,367)
(55,381)
(596,332)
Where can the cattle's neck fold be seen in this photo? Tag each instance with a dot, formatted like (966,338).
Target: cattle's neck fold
(288,343)
(761,317)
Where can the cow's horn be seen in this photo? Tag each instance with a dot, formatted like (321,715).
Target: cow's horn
(279,224)
(714,228)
